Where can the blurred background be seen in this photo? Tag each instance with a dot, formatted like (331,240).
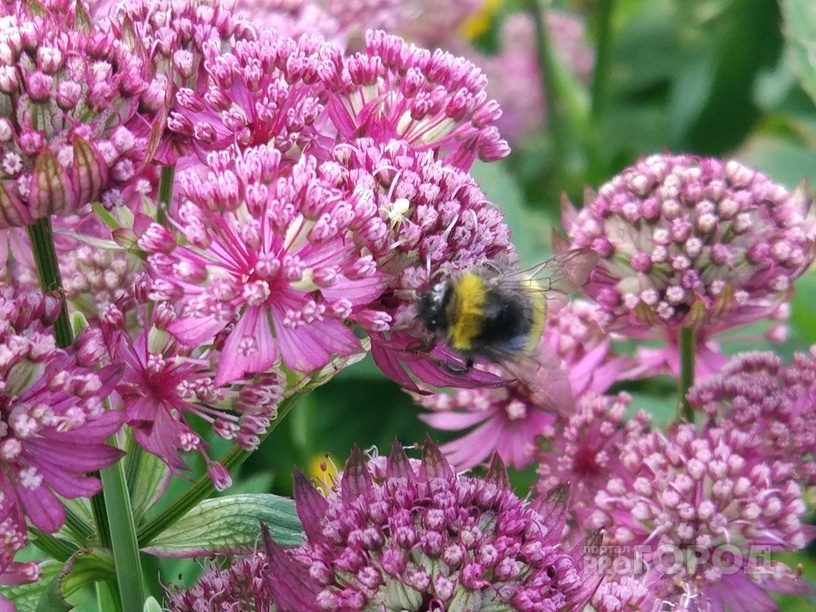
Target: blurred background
(620,79)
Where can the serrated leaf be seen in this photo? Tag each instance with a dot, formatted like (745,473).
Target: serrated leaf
(27,596)
(85,567)
(229,525)
(800,41)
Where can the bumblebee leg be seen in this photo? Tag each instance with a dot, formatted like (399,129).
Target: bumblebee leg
(456,369)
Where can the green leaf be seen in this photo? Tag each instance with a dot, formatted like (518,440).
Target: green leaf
(229,525)
(800,38)
(531,233)
(147,478)
(27,596)
(803,308)
(85,567)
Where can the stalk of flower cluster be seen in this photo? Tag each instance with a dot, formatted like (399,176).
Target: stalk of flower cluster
(168,174)
(204,487)
(45,256)
(111,507)
(687,347)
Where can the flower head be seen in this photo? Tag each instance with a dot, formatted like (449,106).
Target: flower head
(53,424)
(267,269)
(164,383)
(426,537)
(241,586)
(693,242)
(176,33)
(267,91)
(702,511)
(432,100)
(13,537)
(507,419)
(418,216)
(587,452)
(71,127)
(758,394)
(291,18)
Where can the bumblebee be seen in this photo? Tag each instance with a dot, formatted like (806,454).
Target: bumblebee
(499,313)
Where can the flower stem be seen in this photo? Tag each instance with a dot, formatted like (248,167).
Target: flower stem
(688,347)
(600,74)
(106,596)
(45,256)
(166,179)
(203,487)
(56,548)
(546,62)
(129,576)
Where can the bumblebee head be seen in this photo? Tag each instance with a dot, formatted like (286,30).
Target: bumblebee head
(430,306)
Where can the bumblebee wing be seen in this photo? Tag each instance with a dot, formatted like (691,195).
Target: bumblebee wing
(542,374)
(563,273)
(556,278)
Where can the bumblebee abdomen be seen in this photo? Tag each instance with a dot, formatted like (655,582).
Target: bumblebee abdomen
(512,322)
(466,312)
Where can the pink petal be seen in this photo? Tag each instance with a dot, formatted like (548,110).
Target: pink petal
(70,456)
(195,331)
(361,291)
(454,421)
(472,449)
(309,347)
(235,363)
(42,507)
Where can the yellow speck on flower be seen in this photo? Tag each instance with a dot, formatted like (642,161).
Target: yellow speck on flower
(323,472)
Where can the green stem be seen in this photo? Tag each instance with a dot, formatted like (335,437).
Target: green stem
(100,514)
(56,548)
(203,487)
(79,527)
(166,179)
(106,598)
(600,74)
(687,349)
(45,256)
(547,63)
(129,577)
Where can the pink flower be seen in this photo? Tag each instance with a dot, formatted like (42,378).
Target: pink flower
(424,537)
(507,420)
(293,18)
(163,383)
(268,91)
(416,216)
(71,128)
(702,511)
(434,101)
(53,424)
(756,393)
(586,453)
(267,269)
(13,538)
(690,242)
